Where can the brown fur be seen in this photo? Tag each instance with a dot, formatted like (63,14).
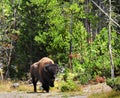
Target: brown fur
(37,70)
(44,61)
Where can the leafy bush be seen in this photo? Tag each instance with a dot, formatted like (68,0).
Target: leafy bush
(117,70)
(68,75)
(69,86)
(84,78)
(114,83)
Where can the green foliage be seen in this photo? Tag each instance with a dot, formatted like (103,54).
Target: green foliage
(55,39)
(82,74)
(74,8)
(114,83)
(68,75)
(69,86)
(80,42)
(77,67)
(43,29)
(99,61)
(84,78)
(8,32)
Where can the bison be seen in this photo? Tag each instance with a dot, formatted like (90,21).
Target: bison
(44,71)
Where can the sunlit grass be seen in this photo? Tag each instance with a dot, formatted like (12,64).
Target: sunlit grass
(25,88)
(6,86)
(111,94)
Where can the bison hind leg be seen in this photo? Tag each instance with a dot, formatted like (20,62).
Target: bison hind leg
(34,81)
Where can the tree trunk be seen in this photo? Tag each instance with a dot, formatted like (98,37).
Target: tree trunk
(110,47)
(86,21)
(9,61)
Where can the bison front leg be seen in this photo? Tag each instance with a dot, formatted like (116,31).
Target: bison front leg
(34,81)
(46,87)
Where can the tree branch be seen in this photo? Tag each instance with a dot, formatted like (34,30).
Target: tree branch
(106,14)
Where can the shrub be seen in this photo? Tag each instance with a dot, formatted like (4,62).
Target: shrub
(69,86)
(114,83)
(84,78)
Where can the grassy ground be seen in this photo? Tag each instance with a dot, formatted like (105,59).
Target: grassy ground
(6,86)
(111,94)
(26,91)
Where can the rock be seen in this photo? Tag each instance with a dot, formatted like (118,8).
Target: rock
(40,88)
(15,85)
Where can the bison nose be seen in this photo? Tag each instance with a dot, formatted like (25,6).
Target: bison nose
(52,85)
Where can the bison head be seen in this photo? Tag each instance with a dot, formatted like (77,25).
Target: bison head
(51,71)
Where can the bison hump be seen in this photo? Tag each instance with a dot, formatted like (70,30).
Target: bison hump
(45,60)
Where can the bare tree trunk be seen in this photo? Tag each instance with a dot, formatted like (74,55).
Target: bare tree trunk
(106,14)
(11,44)
(9,61)
(110,47)
(109,35)
(86,21)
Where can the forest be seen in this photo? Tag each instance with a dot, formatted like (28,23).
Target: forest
(81,36)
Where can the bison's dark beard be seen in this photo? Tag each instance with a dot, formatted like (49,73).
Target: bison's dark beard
(51,82)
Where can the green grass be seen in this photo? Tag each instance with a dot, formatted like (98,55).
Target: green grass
(112,94)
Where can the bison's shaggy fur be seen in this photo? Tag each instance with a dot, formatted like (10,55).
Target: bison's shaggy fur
(45,71)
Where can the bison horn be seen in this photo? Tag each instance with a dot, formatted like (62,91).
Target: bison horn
(45,68)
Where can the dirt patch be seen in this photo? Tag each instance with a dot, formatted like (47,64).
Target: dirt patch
(98,88)
(39,95)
